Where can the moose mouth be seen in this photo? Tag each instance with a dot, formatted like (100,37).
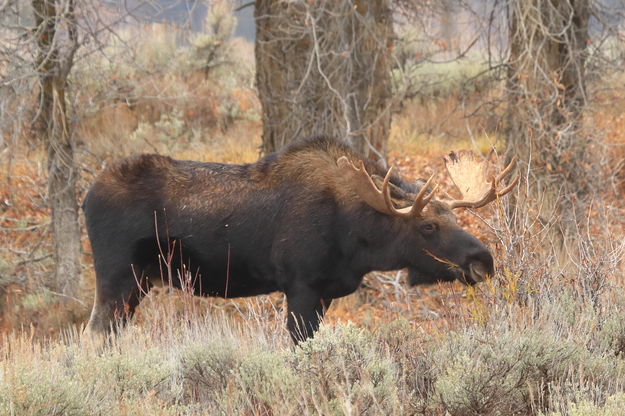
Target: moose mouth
(471,275)
(478,273)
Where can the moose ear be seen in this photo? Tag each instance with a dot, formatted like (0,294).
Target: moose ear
(420,183)
(396,191)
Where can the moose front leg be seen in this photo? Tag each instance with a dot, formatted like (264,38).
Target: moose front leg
(306,309)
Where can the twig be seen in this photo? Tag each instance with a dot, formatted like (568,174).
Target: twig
(248,4)
(67,296)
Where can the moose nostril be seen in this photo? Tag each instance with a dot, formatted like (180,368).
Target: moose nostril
(480,266)
(477,272)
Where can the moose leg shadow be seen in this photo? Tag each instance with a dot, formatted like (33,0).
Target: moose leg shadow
(305,312)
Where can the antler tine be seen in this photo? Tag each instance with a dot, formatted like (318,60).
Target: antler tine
(422,199)
(508,188)
(363,172)
(387,193)
(364,185)
(461,203)
(506,170)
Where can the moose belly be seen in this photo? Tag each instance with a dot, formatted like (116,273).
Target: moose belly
(235,283)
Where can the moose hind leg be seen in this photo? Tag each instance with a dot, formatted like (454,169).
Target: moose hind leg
(116,298)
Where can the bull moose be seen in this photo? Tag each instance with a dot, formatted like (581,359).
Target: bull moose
(310,221)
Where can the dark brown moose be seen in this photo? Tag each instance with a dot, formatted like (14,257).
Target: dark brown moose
(310,221)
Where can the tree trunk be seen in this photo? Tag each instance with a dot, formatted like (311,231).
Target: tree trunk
(54,128)
(546,96)
(62,178)
(324,68)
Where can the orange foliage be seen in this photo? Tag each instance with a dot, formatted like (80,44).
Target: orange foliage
(245,99)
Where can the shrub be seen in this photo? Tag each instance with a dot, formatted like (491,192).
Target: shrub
(211,48)
(129,374)
(480,377)
(343,368)
(265,384)
(614,405)
(517,373)
(611,336)
(43,389)
(206,369)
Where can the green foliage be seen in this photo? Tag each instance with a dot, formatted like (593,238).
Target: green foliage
(188,370)
(264,380)
(147,372)
(515,373)
(611,336)
(211,48)
(340,367)
(440,80)
(206,369)
(45,390)
(613,406)
(168,128)
(479,377)
(5,269)
(33,301)
(419,74)
(344,367)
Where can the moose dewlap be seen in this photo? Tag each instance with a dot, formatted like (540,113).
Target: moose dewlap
(309,221)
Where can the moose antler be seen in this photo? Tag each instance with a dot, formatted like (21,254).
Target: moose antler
(378,199)
(469,176)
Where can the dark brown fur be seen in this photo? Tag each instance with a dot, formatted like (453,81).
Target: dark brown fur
(291,222)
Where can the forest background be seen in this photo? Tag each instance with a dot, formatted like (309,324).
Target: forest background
(85,83)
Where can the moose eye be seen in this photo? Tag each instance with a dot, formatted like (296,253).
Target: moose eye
(428,228)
